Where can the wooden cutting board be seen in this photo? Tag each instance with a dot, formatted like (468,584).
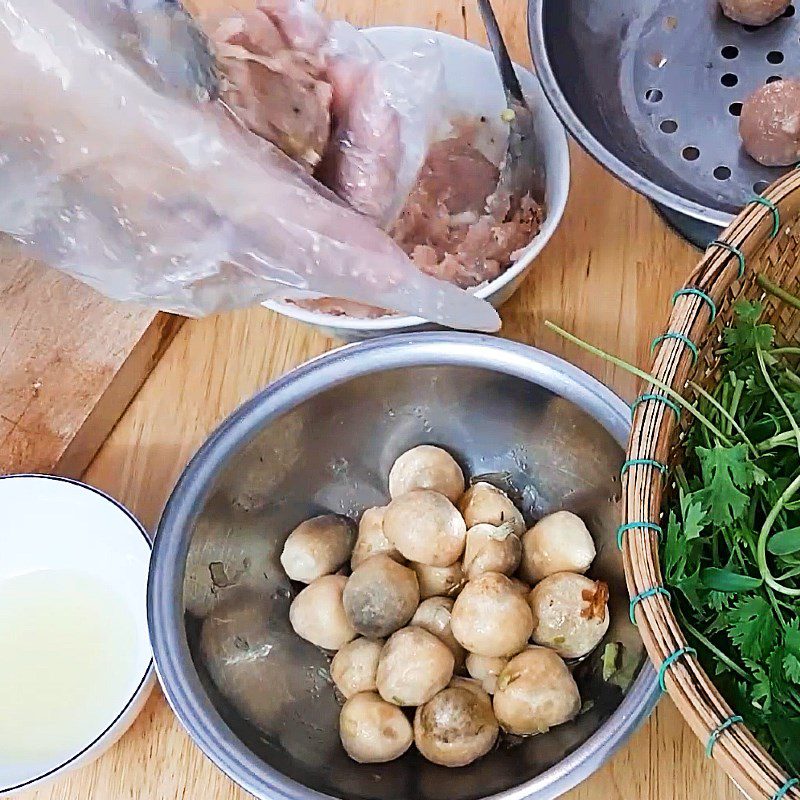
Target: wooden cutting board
(70,362)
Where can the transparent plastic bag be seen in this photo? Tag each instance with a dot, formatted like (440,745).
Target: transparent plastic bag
(147,196)
(387,113)
(320,91)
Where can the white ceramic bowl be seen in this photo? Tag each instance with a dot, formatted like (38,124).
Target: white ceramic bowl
(473,86)
(56,527)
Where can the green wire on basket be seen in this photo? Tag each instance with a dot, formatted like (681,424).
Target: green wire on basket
(681,337)
(629,526)
(731,249)
(776,216)
(698,293)
(658,398)
(735,719)
(669,661)
(784,790)
(642,462)
(651,592)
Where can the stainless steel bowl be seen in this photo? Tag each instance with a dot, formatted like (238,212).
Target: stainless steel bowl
(256,698)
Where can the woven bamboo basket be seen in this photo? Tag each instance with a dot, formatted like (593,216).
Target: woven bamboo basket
(763,240)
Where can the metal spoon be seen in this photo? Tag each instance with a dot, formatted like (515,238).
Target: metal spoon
(522,169)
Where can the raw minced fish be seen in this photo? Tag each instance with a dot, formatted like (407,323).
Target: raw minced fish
(445,227)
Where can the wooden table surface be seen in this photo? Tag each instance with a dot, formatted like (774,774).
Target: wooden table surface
(607,275)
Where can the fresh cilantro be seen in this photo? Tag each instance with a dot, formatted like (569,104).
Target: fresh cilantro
(694,516)
(752,627)
(726,471)
(791,665)
(746,333)
(731,550)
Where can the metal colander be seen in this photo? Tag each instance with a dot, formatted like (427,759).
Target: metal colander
(653,90)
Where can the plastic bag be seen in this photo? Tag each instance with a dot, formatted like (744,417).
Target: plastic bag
(387,114)
(291,76)
(112,178)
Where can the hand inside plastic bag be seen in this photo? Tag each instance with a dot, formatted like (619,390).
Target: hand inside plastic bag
(112,176)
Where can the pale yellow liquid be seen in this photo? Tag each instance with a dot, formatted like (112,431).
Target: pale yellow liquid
(68,664)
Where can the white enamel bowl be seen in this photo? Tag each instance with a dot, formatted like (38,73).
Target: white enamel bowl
(53,526)
(473,86)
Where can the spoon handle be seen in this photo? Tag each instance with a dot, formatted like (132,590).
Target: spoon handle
(500,51)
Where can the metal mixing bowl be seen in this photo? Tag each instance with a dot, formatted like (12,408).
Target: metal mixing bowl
(256,698)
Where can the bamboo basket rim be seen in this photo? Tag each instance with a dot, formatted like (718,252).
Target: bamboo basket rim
(727,266)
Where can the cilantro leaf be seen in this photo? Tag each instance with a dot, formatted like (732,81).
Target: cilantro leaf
(791,666)
(746,333)
(791,638)
(762,689)
(719,600)
(675,550)
(746,312)
(784,542)
(693,514)
(785,731)
(691,587)
(752,627)
(726,472)
(725,580)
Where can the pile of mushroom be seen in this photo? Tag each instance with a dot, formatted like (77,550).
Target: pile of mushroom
(442,581)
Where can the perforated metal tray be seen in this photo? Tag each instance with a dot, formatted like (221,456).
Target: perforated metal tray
(653,89)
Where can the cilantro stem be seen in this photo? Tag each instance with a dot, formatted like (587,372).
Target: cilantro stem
(725,413)
(789,574)
(772,288)
(790,376)
(776,394)
(766,529)
(732,665)
(680,476)
(788,757)
(785,351)
(738,388)
(780,438)
(640,373)
(775,603)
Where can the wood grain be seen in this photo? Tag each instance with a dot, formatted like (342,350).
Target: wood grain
(70,362)
(607,275)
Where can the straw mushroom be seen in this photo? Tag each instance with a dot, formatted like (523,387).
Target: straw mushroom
(753,12)
(425,527)
(317,547)
(570,613)
(371,540)
(483,502)
(490,617)
(535,692)
(456,726)
(433,615)
(491,548)
(317,614)
(559,542)
(486,669)
(354,668)
(439,581)
(770,123)
(426,467)
(414,666)
(373,731)
(380,597)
